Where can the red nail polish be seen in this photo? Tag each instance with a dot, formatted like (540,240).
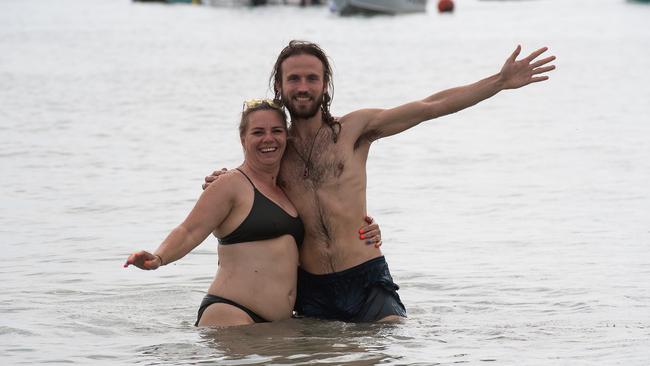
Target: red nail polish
(362,236)
(360,231)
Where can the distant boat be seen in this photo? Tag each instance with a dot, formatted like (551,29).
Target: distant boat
(348,7)
(170,1)
(219,2)
(259,2)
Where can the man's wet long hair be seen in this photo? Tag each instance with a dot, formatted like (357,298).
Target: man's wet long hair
(294,48)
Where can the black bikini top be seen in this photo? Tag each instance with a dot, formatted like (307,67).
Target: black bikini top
(266,220)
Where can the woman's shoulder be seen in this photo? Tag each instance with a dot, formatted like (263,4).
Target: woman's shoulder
(228,182)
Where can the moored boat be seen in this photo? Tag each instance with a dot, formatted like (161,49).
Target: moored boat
(348,7)
(170,1)
(228,3)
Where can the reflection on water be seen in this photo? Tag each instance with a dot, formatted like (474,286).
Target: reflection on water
(299,341)
(294,341)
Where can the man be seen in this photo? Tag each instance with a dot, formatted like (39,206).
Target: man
(323,173)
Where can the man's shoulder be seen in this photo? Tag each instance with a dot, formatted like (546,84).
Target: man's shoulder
(358,116)
(354,126)
(353,122)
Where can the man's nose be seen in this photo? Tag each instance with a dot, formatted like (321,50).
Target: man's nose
(303,86)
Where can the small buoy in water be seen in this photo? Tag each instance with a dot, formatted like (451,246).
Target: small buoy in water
(445,6)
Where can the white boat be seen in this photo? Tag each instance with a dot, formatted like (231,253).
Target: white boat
(227,3)
(347,7)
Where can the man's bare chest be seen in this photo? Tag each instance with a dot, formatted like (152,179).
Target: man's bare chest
(304,172)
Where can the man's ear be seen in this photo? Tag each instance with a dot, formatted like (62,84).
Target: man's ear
(278,87)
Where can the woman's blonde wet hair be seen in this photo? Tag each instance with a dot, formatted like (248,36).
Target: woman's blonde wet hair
(255,105)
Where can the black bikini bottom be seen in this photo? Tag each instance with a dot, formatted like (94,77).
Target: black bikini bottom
(214,299)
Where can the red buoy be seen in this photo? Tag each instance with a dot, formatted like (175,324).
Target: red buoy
(445,6)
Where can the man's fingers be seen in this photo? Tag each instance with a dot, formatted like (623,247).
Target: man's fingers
(209,179)
(543,61)
(514,55)
(538,79)
(214,176)
(536,54)
(542,70)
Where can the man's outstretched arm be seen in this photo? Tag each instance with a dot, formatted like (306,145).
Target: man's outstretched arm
(514,74)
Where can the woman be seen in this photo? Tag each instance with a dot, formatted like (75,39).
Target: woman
(258,228)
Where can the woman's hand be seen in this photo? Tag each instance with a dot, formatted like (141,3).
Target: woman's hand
(144,260)
(370,234)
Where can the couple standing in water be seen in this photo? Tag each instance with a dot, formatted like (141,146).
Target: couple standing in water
(288,218)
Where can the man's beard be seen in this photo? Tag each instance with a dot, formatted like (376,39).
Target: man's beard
(306,113)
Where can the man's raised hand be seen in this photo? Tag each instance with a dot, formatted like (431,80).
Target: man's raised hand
(517,73)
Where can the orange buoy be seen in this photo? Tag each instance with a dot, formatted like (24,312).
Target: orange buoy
(445,6)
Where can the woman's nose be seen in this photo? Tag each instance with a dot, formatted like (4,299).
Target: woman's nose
(267,137)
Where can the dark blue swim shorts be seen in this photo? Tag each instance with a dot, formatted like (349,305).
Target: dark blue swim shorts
(364,293)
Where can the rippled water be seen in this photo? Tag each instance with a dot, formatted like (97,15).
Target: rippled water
(518,230)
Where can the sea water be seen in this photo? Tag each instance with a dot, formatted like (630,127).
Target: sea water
(518,230)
